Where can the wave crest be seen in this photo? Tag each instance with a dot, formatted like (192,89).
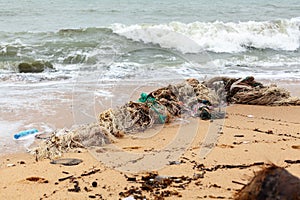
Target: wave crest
(217,36)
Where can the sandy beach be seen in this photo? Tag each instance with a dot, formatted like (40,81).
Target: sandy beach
(252,137)
(150,100)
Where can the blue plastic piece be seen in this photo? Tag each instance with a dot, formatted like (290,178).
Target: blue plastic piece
(25,133)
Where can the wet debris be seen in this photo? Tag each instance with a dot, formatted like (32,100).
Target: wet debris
(292,161)
(37,179)
(175,162)
(87,189)
(215,186)
(258,130)
(76,187)
(237,182)
(94,171)
(296,146)
(216,197)
(158,186)
(201,167)
(131,179)
(22,162)
(65,178)
(43,136)
(239,135)
(196,176)
(272,182)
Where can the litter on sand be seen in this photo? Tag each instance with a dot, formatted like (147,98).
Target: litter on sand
(190,98)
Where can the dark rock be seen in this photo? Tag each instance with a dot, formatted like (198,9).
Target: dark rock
(131,179)
(34,67)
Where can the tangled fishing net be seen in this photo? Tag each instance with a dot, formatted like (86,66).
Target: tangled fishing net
(67,140)
(190,98)
(248,91)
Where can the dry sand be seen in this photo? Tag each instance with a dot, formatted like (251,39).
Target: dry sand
(250,135)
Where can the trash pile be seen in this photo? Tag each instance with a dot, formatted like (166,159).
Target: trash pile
(158,107)
(187,99)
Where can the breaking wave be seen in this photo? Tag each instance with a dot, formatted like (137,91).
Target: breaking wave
(218,36)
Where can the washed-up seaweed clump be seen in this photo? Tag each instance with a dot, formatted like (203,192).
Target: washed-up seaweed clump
(154,186)
(190,98)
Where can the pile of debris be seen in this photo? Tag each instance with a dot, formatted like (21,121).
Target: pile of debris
(157,107)
(188,99)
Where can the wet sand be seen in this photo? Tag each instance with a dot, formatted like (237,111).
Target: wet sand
(251,137)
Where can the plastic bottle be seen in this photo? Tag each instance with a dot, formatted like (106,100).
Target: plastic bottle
(25,133)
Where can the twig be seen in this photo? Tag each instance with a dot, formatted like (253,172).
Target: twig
(94,171)
(292,161)
(65,178)
(236,182)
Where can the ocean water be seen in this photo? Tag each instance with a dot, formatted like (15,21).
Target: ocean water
(100,49)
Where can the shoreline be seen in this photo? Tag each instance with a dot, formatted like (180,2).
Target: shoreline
(251,134)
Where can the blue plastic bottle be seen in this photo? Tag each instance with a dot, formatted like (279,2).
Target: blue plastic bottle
(25,133)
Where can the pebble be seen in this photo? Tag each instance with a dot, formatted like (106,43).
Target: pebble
(161,178)
(174,163)
(177,180)
(10,165)
(131,178)
(94,184)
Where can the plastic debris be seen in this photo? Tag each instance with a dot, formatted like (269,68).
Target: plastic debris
(25,133)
